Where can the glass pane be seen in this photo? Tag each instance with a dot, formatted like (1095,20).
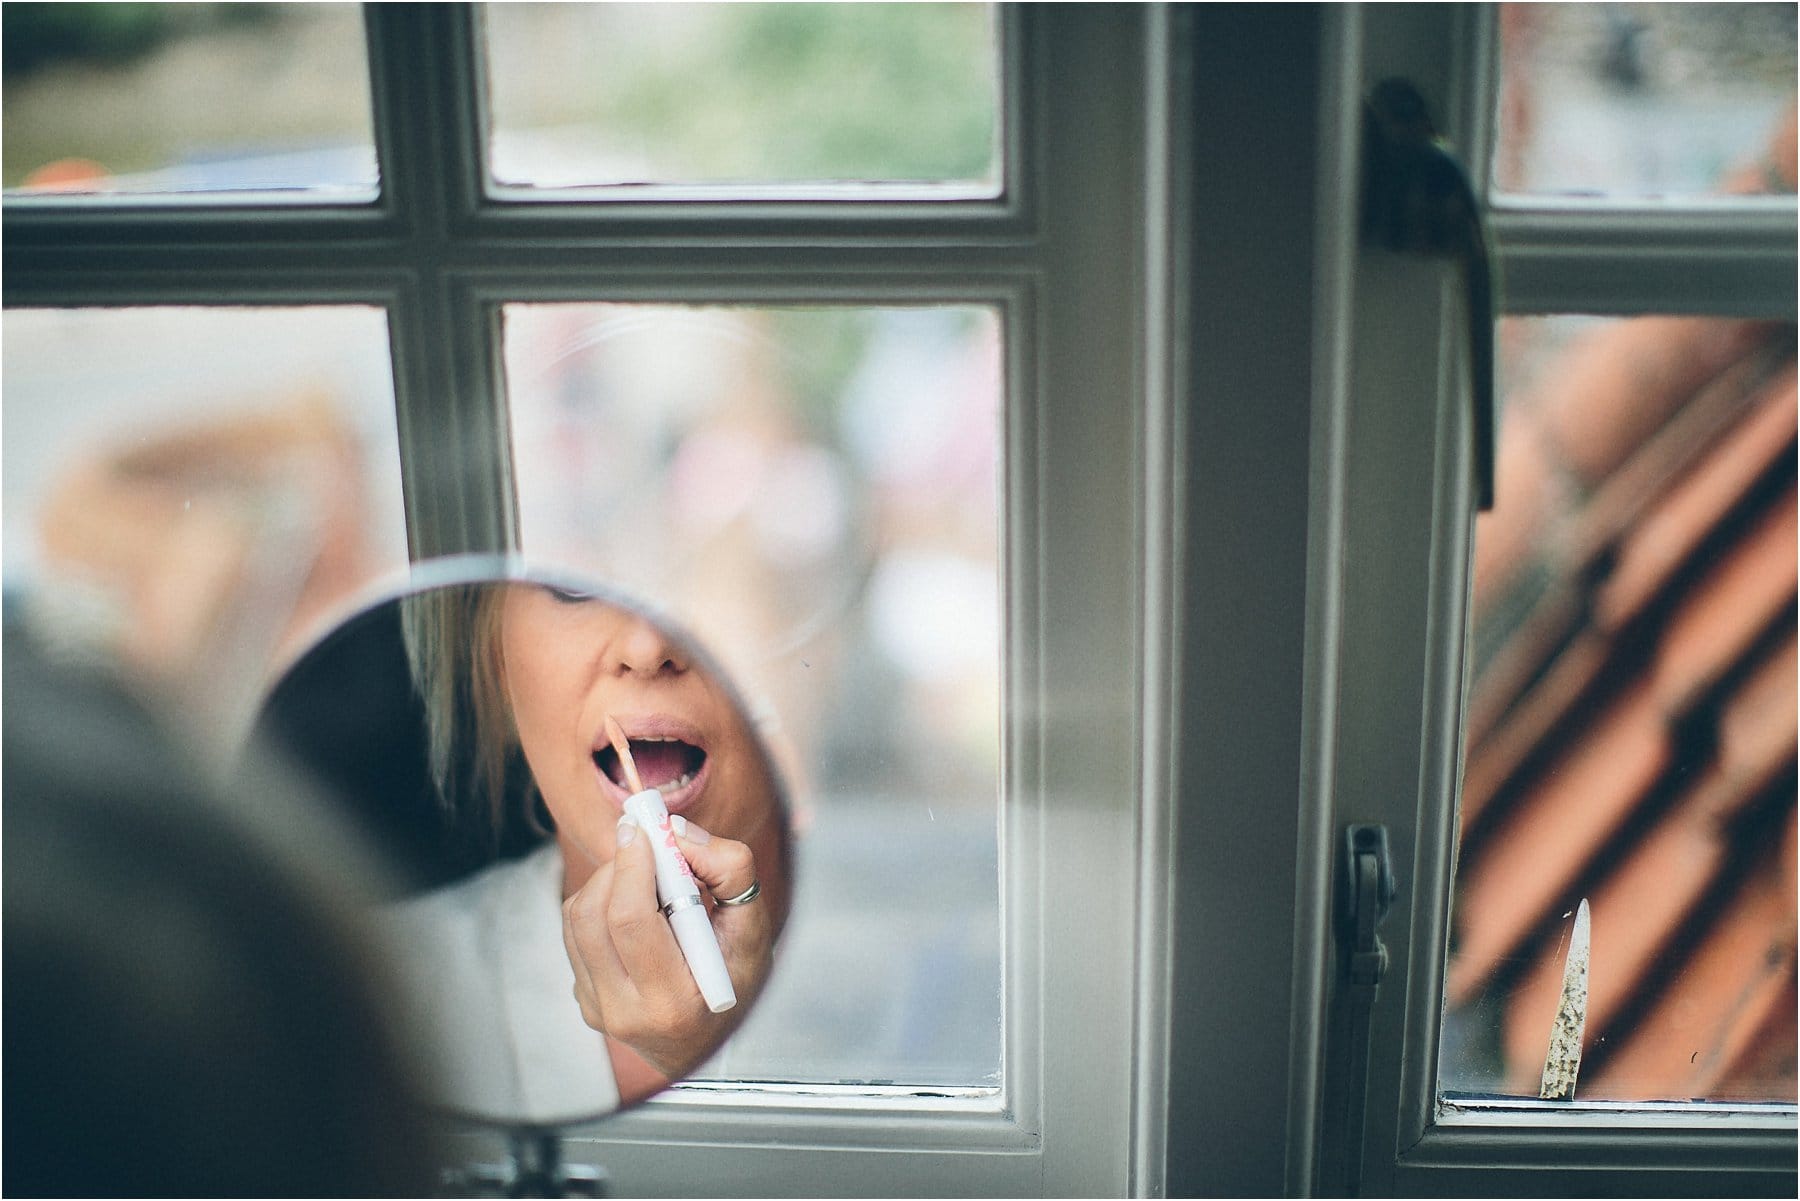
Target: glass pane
(608,94)
(815,494)
(1631,730)
(1646,99)
(136,98)
(190,493)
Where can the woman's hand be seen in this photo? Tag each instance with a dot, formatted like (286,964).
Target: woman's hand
(631,978)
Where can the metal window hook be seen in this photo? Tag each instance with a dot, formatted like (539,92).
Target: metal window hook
(1366,889)
(1418,199)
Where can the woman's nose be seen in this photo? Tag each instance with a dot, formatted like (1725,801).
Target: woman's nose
(642,649)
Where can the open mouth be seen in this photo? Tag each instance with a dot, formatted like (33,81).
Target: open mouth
(668,764)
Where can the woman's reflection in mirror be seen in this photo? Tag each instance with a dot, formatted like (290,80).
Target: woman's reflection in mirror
(193,1005)
(516,673)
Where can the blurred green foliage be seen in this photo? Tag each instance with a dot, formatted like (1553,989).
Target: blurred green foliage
(700,93)
(820,349)
(842,91)
(761,92)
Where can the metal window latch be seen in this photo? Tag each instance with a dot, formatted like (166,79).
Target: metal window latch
(1418,199)
(534,1168)
(1366,889)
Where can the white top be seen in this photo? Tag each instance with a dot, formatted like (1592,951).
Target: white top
(494,993)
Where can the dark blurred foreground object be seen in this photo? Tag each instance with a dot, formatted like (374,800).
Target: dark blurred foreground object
(189,1008)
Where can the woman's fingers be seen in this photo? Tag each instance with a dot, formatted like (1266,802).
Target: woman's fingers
(600,979)
(640,933)
(724,866)
(746,932)
(587,995)
(631,977)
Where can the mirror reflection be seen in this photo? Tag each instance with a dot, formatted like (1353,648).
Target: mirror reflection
(592,832)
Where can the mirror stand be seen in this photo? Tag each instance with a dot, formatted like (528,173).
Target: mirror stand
(534,1168)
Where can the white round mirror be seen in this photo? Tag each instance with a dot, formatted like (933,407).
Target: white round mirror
(591,834)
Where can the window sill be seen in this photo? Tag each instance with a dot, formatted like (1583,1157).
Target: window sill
(822,1116)
(1674,1115)
(701,1142)
(1749,1141)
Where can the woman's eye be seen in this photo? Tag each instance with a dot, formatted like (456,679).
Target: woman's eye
(568,596)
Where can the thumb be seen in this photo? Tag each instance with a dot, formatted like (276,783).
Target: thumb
(633,871)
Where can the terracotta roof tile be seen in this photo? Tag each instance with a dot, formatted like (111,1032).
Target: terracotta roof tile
(1530,494)
(1643,526)
(1752,588)
(1767,1067)
(1633,712)
(1574,803)
(1638,910)
(1687,439)
(1681,522)
(1543,506)
(1757,730)
(1545,842)
(1499,754)
(1635,913)
(1629,378)
(1719,999)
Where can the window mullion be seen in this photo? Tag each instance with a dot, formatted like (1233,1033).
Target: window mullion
(1723,259)
(455,460)
(424,88)
(1257,349)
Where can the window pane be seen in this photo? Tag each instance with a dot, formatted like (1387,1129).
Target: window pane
(815,494)
(609,94)
(136,98)
(1631,731)
(1645,99)
(190,492)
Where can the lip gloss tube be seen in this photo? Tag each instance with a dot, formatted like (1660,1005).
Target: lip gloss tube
(680,898)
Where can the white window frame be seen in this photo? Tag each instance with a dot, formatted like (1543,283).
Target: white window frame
(1060,253)
(1235,565)
(1392,529)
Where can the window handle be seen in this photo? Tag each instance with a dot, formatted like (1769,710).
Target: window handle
(1366,889)
(1418,199)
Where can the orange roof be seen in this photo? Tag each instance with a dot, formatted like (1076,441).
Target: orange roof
(1632,740)
(1633,716)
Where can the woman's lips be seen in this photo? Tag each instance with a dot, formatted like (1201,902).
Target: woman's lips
(657,728)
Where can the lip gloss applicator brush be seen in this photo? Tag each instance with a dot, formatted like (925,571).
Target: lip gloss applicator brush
(675,887)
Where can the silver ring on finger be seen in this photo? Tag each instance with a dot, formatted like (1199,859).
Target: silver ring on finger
(745,897)
(685,901)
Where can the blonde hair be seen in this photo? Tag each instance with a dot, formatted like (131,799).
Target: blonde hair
(452,638)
